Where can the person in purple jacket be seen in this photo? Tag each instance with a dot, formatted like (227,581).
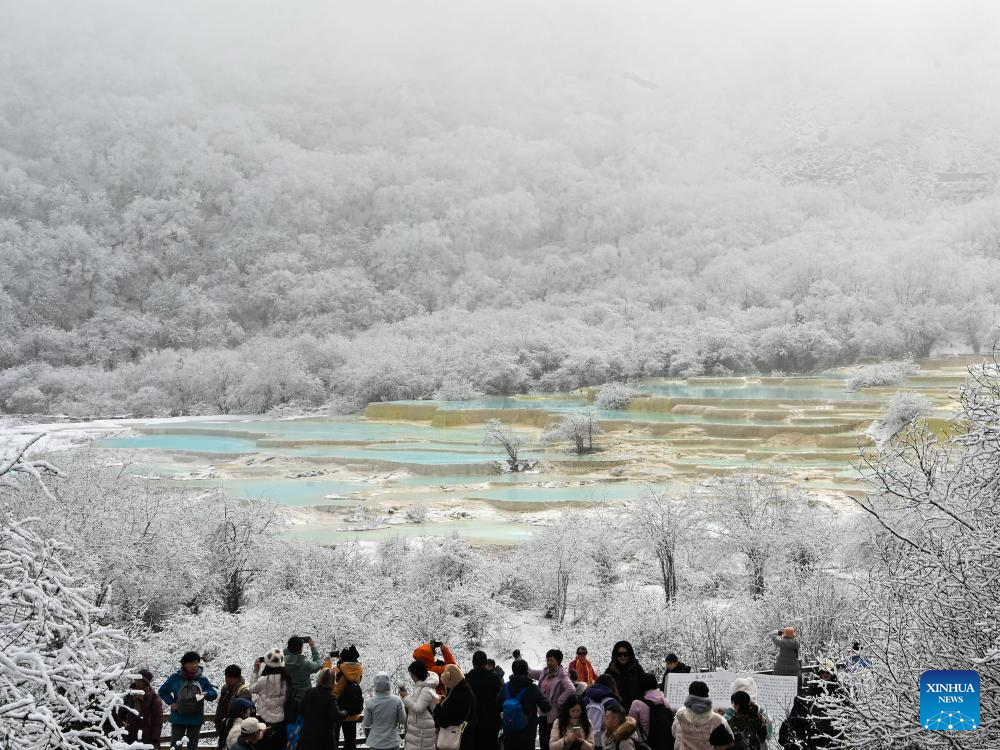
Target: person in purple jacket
(556,686)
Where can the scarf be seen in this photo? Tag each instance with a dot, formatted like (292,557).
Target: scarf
(698,705)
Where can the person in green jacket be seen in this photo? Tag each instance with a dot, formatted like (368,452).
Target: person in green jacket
(299,668)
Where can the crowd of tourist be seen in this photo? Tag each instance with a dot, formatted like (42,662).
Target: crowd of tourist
(298,701)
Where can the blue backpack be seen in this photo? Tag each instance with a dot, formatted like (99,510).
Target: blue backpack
(514,718)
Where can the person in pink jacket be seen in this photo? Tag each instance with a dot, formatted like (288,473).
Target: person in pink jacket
(556,686)
(639,710)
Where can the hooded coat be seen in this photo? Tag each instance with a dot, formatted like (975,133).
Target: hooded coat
(301,669)
(556,687)
(458,707)
(421,732)
(692,728)
(628,676)
(170,690)
(383,715)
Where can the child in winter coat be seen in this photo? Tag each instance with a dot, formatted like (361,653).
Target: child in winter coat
(229,730)
(617,734)
(383,715)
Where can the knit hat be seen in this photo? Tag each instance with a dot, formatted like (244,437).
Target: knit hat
(238,706)
(275,658)
(451,676)
(827,665)
(146,675)
(789,632)
(252,725)
(350,654)
(747,684)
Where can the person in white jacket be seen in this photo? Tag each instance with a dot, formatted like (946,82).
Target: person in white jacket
(271,689)
(421,734)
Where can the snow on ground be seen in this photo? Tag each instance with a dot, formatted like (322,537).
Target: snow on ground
(64,435)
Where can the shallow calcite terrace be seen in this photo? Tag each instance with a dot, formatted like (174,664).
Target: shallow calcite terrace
(419,468)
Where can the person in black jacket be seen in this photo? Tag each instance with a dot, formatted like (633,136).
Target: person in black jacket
(321,716)
(673,666)
(458,706)
(531,700)
(486,686)
(627,673)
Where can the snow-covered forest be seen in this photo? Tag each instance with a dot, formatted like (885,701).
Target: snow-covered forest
(199,214)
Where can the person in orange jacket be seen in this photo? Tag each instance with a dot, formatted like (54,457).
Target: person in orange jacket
(428,654)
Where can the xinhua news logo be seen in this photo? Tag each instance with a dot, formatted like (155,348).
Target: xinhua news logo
(949,699)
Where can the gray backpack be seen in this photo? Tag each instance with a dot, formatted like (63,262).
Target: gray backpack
(187,703)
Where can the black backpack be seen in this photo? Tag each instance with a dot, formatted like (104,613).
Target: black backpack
(661,722)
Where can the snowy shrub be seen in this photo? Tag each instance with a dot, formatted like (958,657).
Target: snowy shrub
(416,513)
(881,375)
(58,662)
(456,388)
(615,396)
(903,408)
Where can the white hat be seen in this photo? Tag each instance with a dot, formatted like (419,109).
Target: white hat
(252,725)
(747,684)
(275,658)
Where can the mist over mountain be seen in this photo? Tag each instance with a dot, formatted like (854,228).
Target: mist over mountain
(237,206)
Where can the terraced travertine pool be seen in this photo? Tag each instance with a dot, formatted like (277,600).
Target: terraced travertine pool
(429,455)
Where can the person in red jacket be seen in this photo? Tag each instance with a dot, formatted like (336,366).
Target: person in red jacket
(428,654)
(582,666)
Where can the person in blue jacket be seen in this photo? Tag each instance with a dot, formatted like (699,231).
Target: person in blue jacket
(185,692)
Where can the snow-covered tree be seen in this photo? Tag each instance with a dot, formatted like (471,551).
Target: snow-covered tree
(931,599)
(578,429)
(58,665)
(615,396)
(747,515)
(496,433)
